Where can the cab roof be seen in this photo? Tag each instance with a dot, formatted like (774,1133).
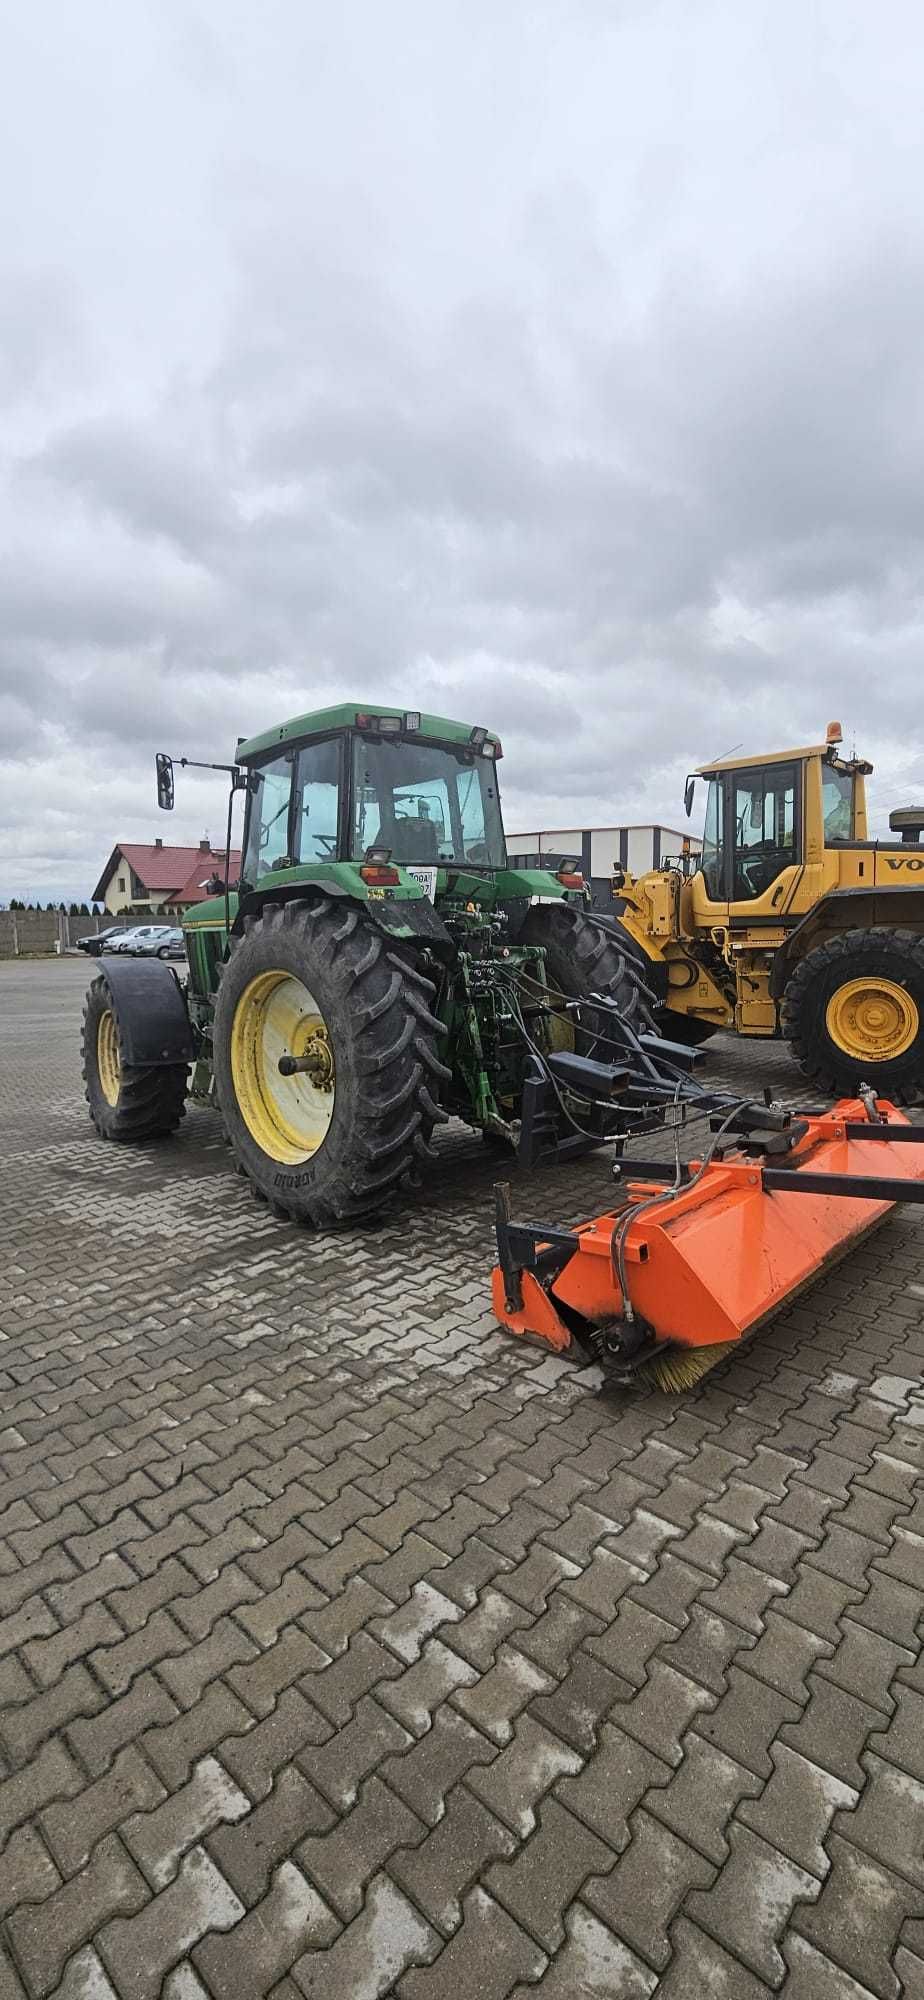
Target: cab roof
(324,721)
(829,753)
(826,750)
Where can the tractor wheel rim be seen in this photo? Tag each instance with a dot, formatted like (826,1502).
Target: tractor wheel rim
(108,1059)
(872,1020)
(288,1116)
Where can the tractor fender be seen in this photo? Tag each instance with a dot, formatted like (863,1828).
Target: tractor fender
(150,1007)
(842,910)
(398,917)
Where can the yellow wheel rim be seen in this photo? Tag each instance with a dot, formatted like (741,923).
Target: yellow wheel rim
(288,1116)
(108,1059)
(872,1020)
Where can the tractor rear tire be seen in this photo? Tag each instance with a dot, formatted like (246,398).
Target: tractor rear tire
(584,957)
(128,1102)
(853,1012)
(333,1145)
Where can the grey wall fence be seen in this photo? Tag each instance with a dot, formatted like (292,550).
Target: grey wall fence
(23,932)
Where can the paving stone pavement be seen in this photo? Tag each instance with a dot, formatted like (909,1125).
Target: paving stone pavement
(349,1647)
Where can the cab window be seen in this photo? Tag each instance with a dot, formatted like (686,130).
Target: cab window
(317,798)
(712,857)
(837,804)
(765,828)
(268,821)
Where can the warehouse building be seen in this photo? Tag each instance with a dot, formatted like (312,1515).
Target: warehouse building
(601,850)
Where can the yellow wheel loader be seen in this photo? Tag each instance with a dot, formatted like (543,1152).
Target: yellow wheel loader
(792,922)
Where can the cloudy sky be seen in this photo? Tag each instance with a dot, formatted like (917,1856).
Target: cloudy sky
(553,363)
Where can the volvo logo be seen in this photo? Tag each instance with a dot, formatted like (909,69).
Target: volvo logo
(915,863)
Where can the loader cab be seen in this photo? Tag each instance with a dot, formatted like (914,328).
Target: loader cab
(752,832)
(765,820)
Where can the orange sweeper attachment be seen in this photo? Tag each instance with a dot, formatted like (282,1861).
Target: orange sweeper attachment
(691,1258)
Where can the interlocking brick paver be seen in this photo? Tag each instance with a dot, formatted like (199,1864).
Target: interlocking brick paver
(338,1766)
(479,1635)
(632,1639)
(386,1938)
(545,1876)
(52,1774)
(812,1976)
(174,1747)
(859,1916)
(336,1623)
(418,1692)
(248,1847)
(661,1712)
(437,1873)
(795,1810)
(903,1742)
(254,1758)
(576,1708)
(888,1822)
(834,1730)
(160,1836)
(44,1935)
(700,1965)
(27,1871)
(486,1955)
(702,1796)
(609,1788)
(642,1895)
(749,1906)
(291,1920)
(72,1829)
(425,1775)
(302,1565)
(746,1720)
(344,1860)
(23,1728)
(139,1951)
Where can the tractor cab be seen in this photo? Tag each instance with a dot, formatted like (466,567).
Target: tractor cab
(346,784)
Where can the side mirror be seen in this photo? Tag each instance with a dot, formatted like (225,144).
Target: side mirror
(164,767)
(688,795)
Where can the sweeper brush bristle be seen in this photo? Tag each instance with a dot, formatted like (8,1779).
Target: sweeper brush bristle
(680,1368)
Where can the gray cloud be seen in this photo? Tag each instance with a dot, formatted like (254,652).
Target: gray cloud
(556,368)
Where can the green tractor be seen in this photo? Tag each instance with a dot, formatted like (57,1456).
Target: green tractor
(377,969)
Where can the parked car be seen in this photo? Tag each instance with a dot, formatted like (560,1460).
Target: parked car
(99,940)
(159,944)
(128,940)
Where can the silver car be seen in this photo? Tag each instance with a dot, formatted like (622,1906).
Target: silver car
(136,939)
(158,943)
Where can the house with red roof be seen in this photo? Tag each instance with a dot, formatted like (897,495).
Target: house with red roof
(159,878)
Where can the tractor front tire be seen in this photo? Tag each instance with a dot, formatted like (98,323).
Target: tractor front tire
(315,981)
(853,1012)
(128,1102)
(584,957)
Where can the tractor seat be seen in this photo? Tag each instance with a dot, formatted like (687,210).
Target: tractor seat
(416,840)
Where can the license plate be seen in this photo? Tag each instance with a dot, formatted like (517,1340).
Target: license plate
(427,879)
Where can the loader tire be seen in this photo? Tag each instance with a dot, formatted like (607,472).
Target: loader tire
(584,957)
(128,1102)
(316,979)
(853,1012)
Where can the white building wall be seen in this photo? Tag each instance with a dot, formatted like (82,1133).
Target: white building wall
(606,845)
(604,849)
